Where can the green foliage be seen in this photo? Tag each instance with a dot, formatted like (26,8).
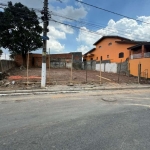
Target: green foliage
(19,29)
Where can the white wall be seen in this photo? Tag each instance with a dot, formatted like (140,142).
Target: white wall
(68,65)
(108,67)
(98,67)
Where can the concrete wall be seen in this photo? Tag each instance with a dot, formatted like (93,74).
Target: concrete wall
(107,67)
(102,67)
(6,65)
(56,60)
(133,66)
(89,65)
(123,68)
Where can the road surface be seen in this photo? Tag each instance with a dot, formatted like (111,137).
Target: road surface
(91,120)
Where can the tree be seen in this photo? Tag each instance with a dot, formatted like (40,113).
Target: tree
(20,30)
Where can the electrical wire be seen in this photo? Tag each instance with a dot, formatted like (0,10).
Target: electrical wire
(121,32)
(89,24)
(111,11)
(80,28)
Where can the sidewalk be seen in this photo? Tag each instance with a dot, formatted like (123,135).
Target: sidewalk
(73,89)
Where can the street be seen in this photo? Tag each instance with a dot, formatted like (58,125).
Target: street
(88,120)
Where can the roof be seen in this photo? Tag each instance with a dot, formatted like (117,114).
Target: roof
(130,42)
(104,37)
(89,51)
(139,45)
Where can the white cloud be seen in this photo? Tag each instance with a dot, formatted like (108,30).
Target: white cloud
(124,27)
(71,12)
(83,49)
(56,34)
(65,28)
(29,3)
(55,46)
(86,37)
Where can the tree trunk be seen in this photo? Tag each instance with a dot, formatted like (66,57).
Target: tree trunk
(24,58)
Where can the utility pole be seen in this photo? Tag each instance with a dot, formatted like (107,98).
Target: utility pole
(45,30)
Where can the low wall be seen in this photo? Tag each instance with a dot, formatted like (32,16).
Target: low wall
(107,67)
(123,68)
(6,65)
(89,65)
(133,66)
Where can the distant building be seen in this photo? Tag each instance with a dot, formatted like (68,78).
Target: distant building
(63,60)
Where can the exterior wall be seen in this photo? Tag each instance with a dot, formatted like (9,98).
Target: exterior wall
(6,65)
(108,67)
(133,66)
(56,60)
(89,65)
(68,65)
(111,50)
(123,68)
(102,67)
(18,60)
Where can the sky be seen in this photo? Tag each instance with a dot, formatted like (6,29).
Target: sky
(88,24)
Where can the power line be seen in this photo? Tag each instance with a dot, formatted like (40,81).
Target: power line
(111,11)
(86,23)
(121,32)
(84,30)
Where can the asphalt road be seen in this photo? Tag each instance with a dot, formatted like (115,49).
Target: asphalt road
(100,120)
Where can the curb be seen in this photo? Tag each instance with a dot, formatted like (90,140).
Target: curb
(49,91)
(37,93)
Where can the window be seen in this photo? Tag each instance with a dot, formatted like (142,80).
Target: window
(100,46)
(101,58)
(110,44)
(121,55)
(97,58)
(107,56)
(91,58)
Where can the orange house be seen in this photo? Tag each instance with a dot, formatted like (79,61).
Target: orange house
(140,54)
(111,49)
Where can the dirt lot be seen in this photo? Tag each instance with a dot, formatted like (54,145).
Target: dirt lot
(17,78)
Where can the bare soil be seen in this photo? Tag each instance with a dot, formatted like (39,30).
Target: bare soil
(17,78)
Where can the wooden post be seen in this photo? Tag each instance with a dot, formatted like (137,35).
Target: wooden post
(119,71)
(71,68)
(139,73)
(143,50)
(27,68)
(49,65)
(1,64)
(100,73)
(6,63)
(86,71)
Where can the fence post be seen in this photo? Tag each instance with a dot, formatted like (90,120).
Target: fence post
(100,72)
(119,71)
(27,68)
(139,73)
(86,71)
(71,68)
(1,64)
(49,65)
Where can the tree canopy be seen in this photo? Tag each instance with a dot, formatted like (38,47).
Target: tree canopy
(20,29)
